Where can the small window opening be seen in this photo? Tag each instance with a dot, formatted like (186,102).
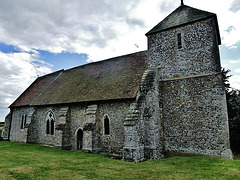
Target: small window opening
(106,126)
(179,41)
(47,127)
(52,127)
(23,121)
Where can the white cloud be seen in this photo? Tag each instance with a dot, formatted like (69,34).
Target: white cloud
(234,61)
(235,81)
(76,26)
(17,72)
(237,71)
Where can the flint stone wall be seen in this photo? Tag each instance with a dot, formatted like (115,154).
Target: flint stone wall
(40,120)
(116,111)
(6,127)
(16,133)
(68,120)
(199,55)
(195,116)
(94,130)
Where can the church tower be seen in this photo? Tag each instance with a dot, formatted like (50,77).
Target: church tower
(185,43)
(181,104)
(183,49)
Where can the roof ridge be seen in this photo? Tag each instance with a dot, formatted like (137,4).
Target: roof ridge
(105,60)
(51,73)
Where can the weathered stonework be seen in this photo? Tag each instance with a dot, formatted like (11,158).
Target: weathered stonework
(142,137)
(116,111)
(67,120)
(195,117)
(18,133)
(6,128)
(199,55)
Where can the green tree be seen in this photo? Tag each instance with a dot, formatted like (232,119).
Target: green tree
(233,104)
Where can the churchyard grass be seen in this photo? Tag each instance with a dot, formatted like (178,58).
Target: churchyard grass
(28,161)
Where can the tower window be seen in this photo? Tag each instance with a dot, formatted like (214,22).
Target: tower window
(179,41)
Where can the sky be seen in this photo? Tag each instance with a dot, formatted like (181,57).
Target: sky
(41,36)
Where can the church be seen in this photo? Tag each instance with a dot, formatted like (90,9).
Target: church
(168,100)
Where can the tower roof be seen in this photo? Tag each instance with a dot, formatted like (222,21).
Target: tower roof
(181,16)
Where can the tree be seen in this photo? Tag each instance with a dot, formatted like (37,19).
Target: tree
(233,104)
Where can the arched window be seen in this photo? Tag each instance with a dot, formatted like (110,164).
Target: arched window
(22,122)
(47,127)
(52,126)
(50,123)
(106,126)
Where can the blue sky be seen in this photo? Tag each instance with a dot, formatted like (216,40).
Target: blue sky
(64,60)
(41,36)
(57,61)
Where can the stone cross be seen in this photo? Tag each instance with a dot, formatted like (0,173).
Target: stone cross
(182,3)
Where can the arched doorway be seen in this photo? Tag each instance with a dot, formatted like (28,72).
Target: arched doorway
(79,139)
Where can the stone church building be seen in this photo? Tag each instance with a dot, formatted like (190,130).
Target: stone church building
(167,100)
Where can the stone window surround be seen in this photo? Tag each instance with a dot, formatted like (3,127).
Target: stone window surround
(109,125)
(51,120)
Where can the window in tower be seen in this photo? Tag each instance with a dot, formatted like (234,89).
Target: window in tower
(179,41)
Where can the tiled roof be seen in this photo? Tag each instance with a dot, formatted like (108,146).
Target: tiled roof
(35,89)
(115,78)
(181,16)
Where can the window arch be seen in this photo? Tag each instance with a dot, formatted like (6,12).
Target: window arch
(52,127)
(47,127)
(50,123)
(106,122)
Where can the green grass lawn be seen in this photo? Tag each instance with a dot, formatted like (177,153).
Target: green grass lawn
(27,161)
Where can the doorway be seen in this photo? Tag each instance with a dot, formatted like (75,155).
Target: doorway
(79,139)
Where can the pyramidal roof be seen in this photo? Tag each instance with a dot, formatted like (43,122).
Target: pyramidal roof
(181,16)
